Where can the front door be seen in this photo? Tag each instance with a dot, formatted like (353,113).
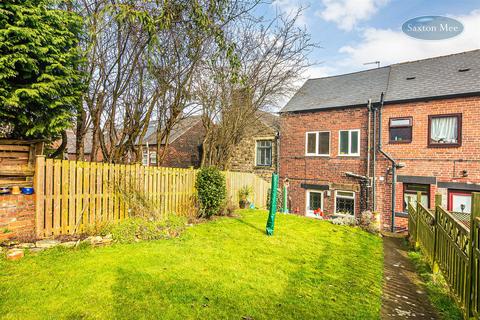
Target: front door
(314,202)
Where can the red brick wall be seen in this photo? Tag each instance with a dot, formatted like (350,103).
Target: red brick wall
(300,168)
(446,164)
(17,217)
(183,152)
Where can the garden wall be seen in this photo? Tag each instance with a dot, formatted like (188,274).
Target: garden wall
(17,216)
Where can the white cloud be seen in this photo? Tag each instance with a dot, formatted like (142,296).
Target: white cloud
(347,13)
(390,46)
(319,72)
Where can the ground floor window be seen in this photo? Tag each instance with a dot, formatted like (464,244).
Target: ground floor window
(314,201)
(410,194)
(345,202)
(460,201)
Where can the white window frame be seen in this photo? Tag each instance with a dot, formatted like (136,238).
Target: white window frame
(270,138)
(344,197)
(349,154)
(309,213)
(316,154)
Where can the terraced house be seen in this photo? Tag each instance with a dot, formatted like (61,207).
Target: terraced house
(373,139)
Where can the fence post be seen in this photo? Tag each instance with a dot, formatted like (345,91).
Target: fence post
(471,274)
(419,201)
(438,203)
(39,189)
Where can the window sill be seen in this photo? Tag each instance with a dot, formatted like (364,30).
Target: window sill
(262,167)
(317,155)
(444,145)
(349,155)
(401,214)
(400,141)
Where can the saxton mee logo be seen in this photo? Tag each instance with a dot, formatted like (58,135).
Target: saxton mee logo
(432,28)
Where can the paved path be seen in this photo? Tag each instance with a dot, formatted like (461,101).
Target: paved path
(404,296)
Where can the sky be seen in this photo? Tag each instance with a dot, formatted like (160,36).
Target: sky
(351,33)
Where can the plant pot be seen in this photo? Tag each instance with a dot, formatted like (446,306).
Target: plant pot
(243,204)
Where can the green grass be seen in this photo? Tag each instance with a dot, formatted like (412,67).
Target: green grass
(224,269)
(437,289)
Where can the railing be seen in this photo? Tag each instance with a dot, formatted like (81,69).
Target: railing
(72,195)
(452,247)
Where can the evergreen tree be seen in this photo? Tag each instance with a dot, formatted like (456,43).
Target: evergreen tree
(40,85)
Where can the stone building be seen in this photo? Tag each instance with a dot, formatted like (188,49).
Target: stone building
(257,152)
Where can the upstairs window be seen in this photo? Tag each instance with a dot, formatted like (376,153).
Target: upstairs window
(400,130)
(318,143)
(349,143)
(264,153)
(445,130)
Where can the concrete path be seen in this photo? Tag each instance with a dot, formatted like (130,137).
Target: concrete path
(404,296)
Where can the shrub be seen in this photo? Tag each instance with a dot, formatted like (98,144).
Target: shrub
(243,195)
(344,221)
(211,191)
(369,222)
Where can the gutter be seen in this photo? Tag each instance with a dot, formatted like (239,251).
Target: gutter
(395,165)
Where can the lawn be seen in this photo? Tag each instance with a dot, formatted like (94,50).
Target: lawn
(224,269)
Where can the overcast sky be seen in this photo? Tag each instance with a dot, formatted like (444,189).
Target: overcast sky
(354,32)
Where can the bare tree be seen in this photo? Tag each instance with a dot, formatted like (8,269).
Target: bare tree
(273,57)
(141,57)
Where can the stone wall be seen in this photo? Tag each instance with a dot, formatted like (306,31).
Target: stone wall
(17,217)
(244,157)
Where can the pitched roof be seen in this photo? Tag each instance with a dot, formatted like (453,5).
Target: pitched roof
(269,119)
(178,129)
(454,74)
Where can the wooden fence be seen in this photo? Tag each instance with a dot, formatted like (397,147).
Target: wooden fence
(72,195)
(451,247)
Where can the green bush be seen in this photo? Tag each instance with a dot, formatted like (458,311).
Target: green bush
(139,228)
(211,191)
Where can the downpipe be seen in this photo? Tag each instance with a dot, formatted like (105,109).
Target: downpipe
(395,165)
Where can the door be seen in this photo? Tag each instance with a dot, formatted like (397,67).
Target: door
(314,202)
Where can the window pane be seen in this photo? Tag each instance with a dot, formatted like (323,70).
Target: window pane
(268,156)
(412,198)
(153,157)
(259,154)
(324,142)
(400,122)
(401,134)
(444,130)
(311,143)
(345,194)
(343,142)
(354,147)
(315,201)
(424,188)
(462,203)
(145,159)
(346,206)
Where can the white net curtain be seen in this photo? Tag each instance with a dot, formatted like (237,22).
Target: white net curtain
(444,130)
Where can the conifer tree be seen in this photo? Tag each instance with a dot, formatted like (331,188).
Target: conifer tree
(40,82)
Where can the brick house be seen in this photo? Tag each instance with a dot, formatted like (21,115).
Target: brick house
(184,146)
(257,152)
(345,155)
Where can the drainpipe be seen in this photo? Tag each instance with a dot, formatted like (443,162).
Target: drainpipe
(386,155)
(369,144)
(374,160)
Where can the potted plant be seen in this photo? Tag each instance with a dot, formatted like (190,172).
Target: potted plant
(243,195)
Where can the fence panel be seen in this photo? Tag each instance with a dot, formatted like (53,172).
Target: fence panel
(452,254)
(412,222)
(73,195)
(426,231)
